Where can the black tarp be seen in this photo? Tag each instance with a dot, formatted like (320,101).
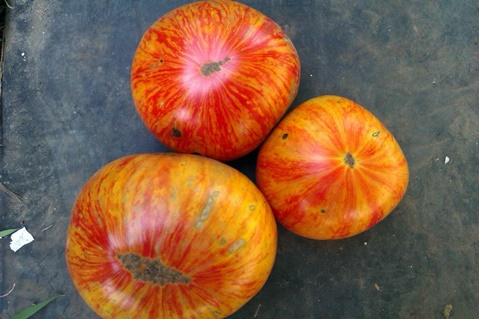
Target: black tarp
(67,110)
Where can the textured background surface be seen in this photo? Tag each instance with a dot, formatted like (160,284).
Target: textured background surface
(67,110)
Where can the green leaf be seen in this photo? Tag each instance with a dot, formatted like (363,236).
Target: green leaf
(33,309)
(7,232)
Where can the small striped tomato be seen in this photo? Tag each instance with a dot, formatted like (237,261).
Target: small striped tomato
(169,236)
(213,78)
(331,169)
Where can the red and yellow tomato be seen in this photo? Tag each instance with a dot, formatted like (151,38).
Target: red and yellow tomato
(213,78)
(169,236)
(331,169)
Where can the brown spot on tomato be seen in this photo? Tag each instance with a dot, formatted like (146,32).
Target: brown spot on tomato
(375,134)
(285,136)
(175,132)
(211,67)
(154,66)
(151,270)
(323,211)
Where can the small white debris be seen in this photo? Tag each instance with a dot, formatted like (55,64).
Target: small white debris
(257,311)
(9,292)
(446,160)
(47,228)
(20,238)
(365,243)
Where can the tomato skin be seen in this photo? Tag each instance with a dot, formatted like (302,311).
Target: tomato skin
(315,188)
(213,78)
(204,221)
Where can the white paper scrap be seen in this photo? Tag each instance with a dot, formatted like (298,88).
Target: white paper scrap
(446,160)
(20,238)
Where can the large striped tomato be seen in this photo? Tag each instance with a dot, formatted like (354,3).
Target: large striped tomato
(331,169)
(213,78)
(169,236)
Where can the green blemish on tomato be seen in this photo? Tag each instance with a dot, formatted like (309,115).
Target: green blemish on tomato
(237,245)
(205,212)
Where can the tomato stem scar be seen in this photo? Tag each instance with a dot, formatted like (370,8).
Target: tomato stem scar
(151,270)
(349,160)
(211,67)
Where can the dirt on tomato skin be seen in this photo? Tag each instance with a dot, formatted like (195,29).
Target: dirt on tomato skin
(151,270)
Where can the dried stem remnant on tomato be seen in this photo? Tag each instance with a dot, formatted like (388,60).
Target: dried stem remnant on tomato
(151,270)
(211,67)
(349,160)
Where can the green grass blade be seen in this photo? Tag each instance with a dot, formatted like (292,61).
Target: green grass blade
(33,309)
(7,232)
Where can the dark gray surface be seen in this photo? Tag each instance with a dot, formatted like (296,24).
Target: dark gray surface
(67,110)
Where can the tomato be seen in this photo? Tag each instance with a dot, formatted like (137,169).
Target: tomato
(169,236)
(331,169)
(213,78)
